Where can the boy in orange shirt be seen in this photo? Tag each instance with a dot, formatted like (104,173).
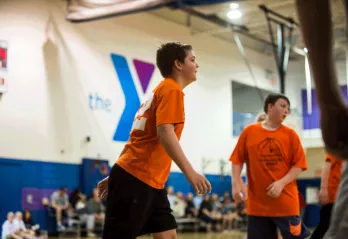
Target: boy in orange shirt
(137,202)
(330,180)
(274,157)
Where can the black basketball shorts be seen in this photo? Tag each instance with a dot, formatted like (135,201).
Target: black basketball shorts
(134,208)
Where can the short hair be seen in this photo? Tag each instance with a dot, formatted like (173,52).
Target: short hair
(167,54)
(272,99)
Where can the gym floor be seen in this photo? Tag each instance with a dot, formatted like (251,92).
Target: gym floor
(223,235)
(232,235)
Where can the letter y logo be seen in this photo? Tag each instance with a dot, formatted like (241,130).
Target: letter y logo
(144,71)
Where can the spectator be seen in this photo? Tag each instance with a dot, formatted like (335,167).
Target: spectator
(75,197)
(27,219)
(205,212)
(8,228)
(191,210)
(230,215)
(171,196)
(29,223)
(179,206)
(60,203)
(226,198)
(20,230)
(95,213)
(216,210)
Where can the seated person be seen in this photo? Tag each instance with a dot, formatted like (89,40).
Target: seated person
(225,198)
(229,215)
(28,222)
(171,196)
(241,209)
(8,228)
(179,206)
(205,212)
(75,197)
(216,210)
(20,230)
(190,210)
(60,203)
(95,212)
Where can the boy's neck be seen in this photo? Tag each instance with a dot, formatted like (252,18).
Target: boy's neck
(182,82)
(269,124)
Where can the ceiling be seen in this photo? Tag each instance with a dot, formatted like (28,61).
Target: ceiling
(257,36)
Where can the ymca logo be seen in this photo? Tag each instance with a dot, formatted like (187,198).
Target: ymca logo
(144,71)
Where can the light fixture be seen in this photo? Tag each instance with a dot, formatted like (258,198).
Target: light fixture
(305,50)
(234,14)
(234,5)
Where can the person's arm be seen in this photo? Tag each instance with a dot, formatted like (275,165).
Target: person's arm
(236,174)
(315,19)
(169,140)
(53,199)
(239,191)
(298,164)
(316,28)
(323,193)
(170,114)
(325,175)
(291,175)
(66,205)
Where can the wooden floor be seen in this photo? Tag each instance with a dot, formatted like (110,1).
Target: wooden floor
(223,235)
(227,235)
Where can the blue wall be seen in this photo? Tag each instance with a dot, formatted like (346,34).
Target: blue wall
(312,213)
(312,121)
(20,178)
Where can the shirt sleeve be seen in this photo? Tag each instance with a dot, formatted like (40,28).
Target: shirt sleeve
(298,155)
(330,158)
(53,197)
(170,107)
(239,155)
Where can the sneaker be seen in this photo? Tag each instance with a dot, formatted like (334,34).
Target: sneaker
(91,234)
(60,228)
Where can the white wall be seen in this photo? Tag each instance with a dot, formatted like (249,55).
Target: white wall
(296,83)
(54,66)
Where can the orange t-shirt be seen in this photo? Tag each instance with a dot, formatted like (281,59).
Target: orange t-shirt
(269,155)
(334,177)
(144,156)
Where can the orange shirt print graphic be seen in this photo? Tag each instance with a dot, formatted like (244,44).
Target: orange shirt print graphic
(270,153)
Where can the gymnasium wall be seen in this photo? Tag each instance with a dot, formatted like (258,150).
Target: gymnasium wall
(311,120)
(63,84)
(72,82)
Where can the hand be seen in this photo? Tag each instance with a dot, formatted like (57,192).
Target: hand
(199,183)
(103,187)
(239,192)
(323,196)
(275,189)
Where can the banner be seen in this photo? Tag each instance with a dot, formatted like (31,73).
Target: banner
(85,10)
(3,66)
